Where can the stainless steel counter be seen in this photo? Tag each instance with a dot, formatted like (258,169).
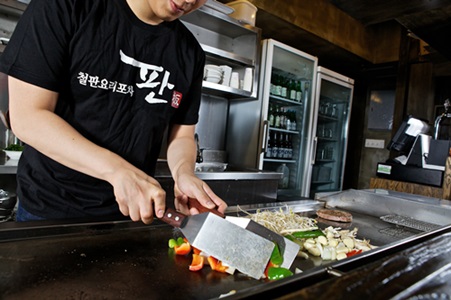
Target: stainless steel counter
(8,166)
(230,173)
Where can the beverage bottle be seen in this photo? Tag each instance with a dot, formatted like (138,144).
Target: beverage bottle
(334,111)
(284,181)
(272,86)
(283,118)
(271,116)
(281,150)
(289,147)
(268,152)
(292,90)
(275,146)
(298,91)
(293,121)
(278,86)
(286,149)
(277,118)
(284,87)
(289,119)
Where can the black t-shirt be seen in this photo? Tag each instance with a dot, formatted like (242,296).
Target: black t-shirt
(121,82)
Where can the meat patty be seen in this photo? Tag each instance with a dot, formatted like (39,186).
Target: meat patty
(334,215)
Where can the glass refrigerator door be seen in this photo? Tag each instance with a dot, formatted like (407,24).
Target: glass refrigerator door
(334,98)
(287,94)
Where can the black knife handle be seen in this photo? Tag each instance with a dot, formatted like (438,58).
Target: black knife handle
(173,217)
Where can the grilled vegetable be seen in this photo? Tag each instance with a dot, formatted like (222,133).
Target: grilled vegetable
(197,263)
(305,234)
(276,273)
(216,265)
(181,246)
(276,256)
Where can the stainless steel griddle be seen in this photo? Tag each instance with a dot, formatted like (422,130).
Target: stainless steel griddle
(126,260)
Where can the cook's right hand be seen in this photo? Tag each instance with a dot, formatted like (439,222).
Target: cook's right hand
(139,195)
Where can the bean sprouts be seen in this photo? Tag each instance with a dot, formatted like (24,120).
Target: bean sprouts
(283,222)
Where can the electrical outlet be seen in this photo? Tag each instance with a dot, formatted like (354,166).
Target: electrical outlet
(378,144)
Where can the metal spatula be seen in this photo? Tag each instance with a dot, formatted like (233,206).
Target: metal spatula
(231,244)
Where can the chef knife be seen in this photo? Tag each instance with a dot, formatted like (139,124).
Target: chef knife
(236,247)
(289,249)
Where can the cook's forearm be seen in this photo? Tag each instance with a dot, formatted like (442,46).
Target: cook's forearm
(181,151)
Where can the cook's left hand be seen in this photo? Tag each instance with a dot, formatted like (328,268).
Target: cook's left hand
(190,186)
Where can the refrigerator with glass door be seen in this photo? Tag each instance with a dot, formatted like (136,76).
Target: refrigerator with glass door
(286,91)
(333,99)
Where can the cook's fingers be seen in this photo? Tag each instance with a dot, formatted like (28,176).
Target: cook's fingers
(123,209)
(217,202)
(159,201)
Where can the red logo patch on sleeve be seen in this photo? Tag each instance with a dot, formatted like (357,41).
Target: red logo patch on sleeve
(176,99)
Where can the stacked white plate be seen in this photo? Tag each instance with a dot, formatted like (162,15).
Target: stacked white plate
(213,73)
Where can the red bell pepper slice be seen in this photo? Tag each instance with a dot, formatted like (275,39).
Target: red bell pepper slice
(353,252)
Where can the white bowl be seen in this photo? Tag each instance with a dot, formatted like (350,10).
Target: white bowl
(213,67)
(13,155)
(213,79)
(213,73)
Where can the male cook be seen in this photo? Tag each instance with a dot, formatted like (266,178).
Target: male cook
(93,84)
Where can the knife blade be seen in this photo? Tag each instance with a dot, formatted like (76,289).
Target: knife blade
(237,247)
(289,249)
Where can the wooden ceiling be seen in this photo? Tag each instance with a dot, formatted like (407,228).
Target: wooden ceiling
(336,30)
(430,20)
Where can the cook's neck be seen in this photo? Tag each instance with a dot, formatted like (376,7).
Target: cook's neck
(144,12)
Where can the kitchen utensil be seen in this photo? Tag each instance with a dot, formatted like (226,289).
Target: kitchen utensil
(288,248)
(231,244)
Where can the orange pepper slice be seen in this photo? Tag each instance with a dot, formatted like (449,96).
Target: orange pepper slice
(216,264)
(196,251)
(197,263)
(182,249)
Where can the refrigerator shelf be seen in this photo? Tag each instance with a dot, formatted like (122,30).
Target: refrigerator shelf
(283,101)
(224,91)
(325,160)
(222,55)
(324,139)
(279,160)
(333,100)
(283,130)
(327,118)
